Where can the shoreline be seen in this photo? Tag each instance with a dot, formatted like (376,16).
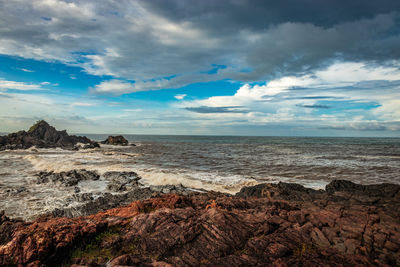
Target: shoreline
(268,224)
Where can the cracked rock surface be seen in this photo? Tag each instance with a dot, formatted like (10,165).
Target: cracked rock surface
(264,225)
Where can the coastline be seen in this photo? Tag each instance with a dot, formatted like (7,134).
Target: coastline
(268,224)
(109,215)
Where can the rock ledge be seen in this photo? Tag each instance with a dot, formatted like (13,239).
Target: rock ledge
(264,225)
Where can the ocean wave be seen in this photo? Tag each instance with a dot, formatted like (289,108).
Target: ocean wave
(197,180)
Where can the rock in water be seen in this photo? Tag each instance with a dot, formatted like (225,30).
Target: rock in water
(70,178)
(118,140)
(42,135)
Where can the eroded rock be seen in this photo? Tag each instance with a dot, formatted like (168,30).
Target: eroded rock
(214,229)
(69,178)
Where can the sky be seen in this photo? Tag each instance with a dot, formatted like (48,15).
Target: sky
(228,67)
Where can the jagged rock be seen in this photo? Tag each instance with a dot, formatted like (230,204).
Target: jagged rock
(70,178)
(170,189)
(118,140)
(254,228)
(121,181)
(42,135)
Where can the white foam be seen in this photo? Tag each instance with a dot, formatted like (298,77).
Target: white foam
(314,184)
(208,181)
(66,161)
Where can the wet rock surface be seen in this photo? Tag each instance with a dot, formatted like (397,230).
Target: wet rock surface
(265,225)
(118,140)
(121,181)
(122,189)
(42,135)
(69,178)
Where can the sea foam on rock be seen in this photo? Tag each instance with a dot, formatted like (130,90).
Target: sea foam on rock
(266,225)
(123,187)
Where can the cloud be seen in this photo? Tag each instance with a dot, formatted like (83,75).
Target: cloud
(118,87)
(365,93)
(82,104)
(3,95)
(314,106)
(205,109)
(180,97)
(147,41)
(12,85)
(26,70)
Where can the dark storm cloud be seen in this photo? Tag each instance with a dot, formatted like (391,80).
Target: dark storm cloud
(258,14)
(206,109)
(148,40)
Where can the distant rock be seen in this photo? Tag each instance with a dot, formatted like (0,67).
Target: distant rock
(118,140)
(42,135)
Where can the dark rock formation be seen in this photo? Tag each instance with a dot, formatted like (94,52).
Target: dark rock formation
(70,178)
(266,225)
(42,135)
(121,181)
(126,184)
(118,140)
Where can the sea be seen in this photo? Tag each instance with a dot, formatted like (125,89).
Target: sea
(219,163)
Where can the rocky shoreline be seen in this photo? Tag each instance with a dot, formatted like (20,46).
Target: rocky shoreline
(131,224)
(265,225)
(122,189)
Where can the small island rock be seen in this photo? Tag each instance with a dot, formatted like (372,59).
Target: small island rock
(118,140)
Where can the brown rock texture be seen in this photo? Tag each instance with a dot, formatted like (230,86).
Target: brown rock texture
(265,225)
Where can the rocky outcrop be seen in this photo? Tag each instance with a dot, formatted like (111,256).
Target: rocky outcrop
(42,135)
(121,181)
(267,225)
(118,140)
(70,178)
(122,188)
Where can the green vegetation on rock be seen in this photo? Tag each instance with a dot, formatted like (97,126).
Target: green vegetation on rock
(35,126)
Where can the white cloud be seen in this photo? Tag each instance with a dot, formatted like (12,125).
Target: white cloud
(82,104)
(295,98)
(26,70)
(12,85)
(180,97)
(118,87)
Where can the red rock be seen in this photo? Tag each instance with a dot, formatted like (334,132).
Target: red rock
(175,230)
(319,238)
(277,250)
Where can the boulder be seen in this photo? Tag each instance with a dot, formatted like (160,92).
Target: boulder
(118,140)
